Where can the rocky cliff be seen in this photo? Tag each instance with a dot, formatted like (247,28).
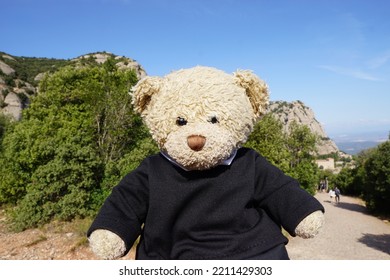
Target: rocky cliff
(297,111)
(19,76)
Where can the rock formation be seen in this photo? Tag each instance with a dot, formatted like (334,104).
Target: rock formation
(14,106)
(15,92)
(123,62)
(6,69)
(297,111)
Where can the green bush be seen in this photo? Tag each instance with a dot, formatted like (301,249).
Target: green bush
(4,123)
(269,140)
(69,149)
(292,152)
(349,181)
(376,190)
(370,178)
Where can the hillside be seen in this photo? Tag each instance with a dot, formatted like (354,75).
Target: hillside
(19,75)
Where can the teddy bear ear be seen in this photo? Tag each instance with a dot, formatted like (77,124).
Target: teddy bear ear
(256,89)
(143,91)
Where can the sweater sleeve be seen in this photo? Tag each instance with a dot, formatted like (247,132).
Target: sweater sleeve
(124,211)
(282,197)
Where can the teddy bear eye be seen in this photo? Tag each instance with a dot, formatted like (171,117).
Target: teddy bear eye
(181,121)
(213,120)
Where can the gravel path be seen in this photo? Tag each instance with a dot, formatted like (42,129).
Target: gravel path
(349,233)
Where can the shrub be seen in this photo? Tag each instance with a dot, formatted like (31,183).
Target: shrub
(376,190)
(66,153)
(292,152)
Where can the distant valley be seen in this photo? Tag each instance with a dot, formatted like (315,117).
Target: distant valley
(354,147)
(353,143)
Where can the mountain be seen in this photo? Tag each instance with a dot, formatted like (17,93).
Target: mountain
(19,75)
(297,111)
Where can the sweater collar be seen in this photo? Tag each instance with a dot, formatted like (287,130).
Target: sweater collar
(227,161)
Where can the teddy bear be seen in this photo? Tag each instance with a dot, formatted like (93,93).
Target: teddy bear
(204,195)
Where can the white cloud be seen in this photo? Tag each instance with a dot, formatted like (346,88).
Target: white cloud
(379,60)
(351,72)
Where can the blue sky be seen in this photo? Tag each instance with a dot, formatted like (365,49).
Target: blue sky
(334,55)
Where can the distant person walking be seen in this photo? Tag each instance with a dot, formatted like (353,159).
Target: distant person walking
(326,184)
(321,186)
(337,194)
(332,194)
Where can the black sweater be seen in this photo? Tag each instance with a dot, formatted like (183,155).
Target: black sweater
(228,212)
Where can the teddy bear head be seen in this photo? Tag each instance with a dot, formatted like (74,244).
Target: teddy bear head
(200,116)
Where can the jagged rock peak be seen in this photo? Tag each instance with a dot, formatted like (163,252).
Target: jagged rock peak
(122,62)
(288,112)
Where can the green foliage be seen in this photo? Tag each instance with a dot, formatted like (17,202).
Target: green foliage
(269,140)
(115,170)
(376,191)
(370,178)
(51,166)
(4,123)
(71,146)
(292,152)
(306,172)
(301,144)
(302,147)
(27,68)
(350,181)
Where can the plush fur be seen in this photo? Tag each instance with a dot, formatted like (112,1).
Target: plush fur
(106,244)
(199,117)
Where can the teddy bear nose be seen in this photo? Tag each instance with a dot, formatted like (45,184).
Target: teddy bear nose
(196,142)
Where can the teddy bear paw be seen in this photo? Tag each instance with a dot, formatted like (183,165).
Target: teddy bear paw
(311,225)
(106,244)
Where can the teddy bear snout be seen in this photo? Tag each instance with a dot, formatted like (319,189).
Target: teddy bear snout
(196,142)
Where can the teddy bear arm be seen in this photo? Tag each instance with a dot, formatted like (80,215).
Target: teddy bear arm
(311,225)
(106,244)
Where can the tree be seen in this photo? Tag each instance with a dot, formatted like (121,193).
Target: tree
(4,124)
(301,144)
(345,181)
(65,154)
(376,190)
(293,153)
(51,168)
(306,172)
(269,140)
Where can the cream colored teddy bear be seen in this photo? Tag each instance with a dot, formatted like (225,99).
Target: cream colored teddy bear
(203,196)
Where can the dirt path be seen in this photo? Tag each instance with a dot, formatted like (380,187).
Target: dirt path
(54,241)
(349,234)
